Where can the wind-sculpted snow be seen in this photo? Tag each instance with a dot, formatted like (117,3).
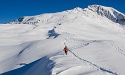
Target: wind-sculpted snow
(33,45)
(52,33)
(41,66)
(47,57)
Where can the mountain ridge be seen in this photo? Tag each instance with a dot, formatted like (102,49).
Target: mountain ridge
(97,10)
(108,12)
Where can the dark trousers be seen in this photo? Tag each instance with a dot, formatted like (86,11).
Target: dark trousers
(66,52)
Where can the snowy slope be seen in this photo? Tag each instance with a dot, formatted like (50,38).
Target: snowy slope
(94,11)
(108,12)
(34,45)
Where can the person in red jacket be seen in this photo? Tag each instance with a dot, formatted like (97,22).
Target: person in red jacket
(65,49)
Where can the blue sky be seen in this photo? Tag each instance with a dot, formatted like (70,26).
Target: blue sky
(13,9)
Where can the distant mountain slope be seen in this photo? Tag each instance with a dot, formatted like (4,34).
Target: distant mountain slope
(108,12)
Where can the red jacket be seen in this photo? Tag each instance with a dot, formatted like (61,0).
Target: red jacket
(65,49)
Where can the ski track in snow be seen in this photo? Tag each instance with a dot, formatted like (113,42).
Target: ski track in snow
(93,65)
(88,62)
(117,48)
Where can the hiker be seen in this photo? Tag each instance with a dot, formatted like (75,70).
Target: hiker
(65,49)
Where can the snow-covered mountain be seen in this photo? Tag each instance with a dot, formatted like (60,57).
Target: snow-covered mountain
(33,45)
(108,12)
(93,10)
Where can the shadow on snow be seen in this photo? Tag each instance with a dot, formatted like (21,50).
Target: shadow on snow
(42,66)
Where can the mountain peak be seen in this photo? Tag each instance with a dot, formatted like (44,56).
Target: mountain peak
(101,10)
(96,6)
(108,12)
(76,10)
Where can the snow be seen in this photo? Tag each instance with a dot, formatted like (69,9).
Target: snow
(108,12)
(34,45)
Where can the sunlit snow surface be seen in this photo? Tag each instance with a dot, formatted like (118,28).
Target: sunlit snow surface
(96,45)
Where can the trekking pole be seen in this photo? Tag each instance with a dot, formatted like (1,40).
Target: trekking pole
(64,44)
